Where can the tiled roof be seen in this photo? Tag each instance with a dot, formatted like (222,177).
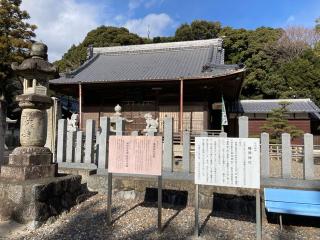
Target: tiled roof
(163,61)
(266,106)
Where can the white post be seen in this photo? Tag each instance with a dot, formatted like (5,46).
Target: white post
(243,127)
(286,155)
(119,126)
(308,163)
(79,147)
(70,146)
(168,144)
(103,144)
(186,151)
(265,155)
(62,135)
(89,151)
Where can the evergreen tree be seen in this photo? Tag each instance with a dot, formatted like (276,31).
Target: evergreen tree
(277,123)
(197,30)
(100,37)
(15,38)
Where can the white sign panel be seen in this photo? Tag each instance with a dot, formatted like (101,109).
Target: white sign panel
(229,162)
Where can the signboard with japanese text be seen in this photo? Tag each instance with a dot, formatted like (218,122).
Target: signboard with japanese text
(135,155)
(229,162)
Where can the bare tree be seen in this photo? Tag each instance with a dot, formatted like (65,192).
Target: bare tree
(296,39)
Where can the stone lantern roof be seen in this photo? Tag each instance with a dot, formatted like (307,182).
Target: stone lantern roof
(37,67)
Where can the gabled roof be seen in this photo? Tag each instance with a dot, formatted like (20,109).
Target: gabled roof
(266,106)
(147,62)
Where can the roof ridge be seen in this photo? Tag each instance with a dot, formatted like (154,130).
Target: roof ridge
(278,100)
(81,67)
(143,51)
(160,46)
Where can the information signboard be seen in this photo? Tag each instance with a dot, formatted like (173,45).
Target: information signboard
(135,155)
(229,162)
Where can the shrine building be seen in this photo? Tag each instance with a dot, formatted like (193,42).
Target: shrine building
(185,80)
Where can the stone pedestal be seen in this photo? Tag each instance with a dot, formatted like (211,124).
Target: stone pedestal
(29,163)
(34,201)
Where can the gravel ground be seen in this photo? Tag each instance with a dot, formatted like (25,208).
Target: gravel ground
(136,220)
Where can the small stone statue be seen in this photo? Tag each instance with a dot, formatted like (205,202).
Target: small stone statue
(116,116)
(117,110)
(73,123)
(152,124)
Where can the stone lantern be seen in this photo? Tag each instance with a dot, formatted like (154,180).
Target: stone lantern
(32,160)
(31,190)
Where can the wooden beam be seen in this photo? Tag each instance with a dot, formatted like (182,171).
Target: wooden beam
(80,105)
(181,110)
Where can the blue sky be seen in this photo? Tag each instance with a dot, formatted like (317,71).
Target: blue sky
(66,22)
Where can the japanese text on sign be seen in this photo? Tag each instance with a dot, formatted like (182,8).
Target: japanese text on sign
(135,155)
(230,162)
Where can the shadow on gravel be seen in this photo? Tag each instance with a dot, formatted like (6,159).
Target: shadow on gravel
(124,213)
(294,220)
(241,208)
(170,198)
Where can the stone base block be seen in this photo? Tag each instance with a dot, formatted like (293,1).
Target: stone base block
(29,163)
(34,201)
(29,159)
(30,156)
(20,173)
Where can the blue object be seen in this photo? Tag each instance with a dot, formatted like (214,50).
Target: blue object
(297,202)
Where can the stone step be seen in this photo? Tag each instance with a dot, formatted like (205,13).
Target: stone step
(18,172)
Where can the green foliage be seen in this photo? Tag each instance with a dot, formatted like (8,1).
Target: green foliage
(100,37)
(317,27)
(278,123)
(251,48)
(162,39)
(197,30)
(15,38)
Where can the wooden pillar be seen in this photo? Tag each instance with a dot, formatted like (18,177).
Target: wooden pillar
(181,110)
(80,105)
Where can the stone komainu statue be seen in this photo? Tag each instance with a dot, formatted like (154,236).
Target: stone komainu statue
(73,123)
(152,124)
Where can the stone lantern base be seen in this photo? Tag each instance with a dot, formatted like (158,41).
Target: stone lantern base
(35,201)
(29,163)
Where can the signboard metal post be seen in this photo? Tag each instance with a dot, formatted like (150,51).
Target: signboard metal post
(109,200)
(159,203)
(258,215)
(196,220)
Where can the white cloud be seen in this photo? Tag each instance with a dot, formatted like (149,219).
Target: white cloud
(66,22)
(61,23)
(157,24)
(152,3)
(133,4)
(291,19)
